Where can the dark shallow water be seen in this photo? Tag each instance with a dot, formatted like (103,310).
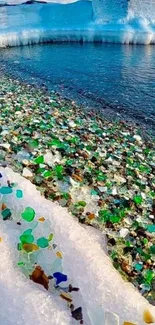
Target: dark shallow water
(113,78)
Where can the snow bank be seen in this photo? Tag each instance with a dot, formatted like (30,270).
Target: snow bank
(85,262)
(74,22)
(18,2)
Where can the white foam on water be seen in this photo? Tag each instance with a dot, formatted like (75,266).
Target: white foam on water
(85,262)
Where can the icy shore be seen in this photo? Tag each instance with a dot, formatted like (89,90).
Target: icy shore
(85,262)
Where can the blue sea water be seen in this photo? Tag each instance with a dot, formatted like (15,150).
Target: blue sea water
(110,77)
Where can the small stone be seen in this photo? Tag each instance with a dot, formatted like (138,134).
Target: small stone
(119,179)
(124,232)
(77,314)
(114,191)
(49,159)
(70,289)
(91,216)
(72,124)
(137,138)
(25,162)
(27,172)
(77,178)
(151,216)
(102,189)
(5,145)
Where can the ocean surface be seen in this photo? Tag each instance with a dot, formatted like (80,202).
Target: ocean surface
(112,78)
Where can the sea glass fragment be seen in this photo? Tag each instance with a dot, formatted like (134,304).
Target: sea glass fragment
(152,249)
(38,276)
(82,203)
(6,214)
(59,254)
(39,160)
(26,238)
(20,263)
(41,219)
(30,247)
(57,143)
(138,266)
(151,228)
(66,296)
(115,219)
(128,323)
(65,195)
(19,246)
(5,190)
(93,192)
(149,275)
(138,199)
(59,171)
(42,242)
(47,173)
(50,237)
(60,277)
(33,143)
(19,194)
(148,318)
(28,214)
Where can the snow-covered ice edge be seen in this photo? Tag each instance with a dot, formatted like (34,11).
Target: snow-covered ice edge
(38,36)
(72,22)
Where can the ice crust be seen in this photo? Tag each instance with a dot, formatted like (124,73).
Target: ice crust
(84,261)
(72,22)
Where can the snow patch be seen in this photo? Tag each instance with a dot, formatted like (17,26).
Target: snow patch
(86,263)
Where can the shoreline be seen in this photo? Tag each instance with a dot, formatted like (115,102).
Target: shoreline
(99,108)
(102,171)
